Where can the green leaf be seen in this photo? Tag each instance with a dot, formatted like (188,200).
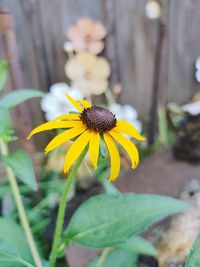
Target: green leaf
(10,260)
(21,165)
(117,258)
(5,124)
(14,250)
(138,245)
(17,97)
(3,73)
(107,220)
(193,259)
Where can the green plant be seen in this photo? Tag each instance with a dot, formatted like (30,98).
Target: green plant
(17,164)
(110,221)
(193,259)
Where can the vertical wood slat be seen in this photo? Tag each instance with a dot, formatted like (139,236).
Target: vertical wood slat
(184,47)
(156,86)
(41,30)
(111,45)
(22,115)
(160,75)
(136,40)
(28,54)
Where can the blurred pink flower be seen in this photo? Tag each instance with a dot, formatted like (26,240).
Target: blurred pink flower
(86,35)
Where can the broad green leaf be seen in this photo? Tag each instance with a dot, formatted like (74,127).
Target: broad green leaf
(21,165)
(18,96)
(9,260)
(3,73)
(117,258)
(5,124)
(193,259)
(107,220)
(138,245)
(13,245)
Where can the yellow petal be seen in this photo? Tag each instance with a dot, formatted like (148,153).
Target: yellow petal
(127,128)
(85,103)
(64,137)
(74,103)
(54,125)
(94,148)
(128,146)
(68,117)
(76,149)
(114,156)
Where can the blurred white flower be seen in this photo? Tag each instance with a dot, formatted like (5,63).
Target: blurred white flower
(197,74)
(192,108)
(127,113)
(55,102)
(197,64)
(153,9)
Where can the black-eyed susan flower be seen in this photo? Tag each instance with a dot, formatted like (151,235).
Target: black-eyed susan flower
(88,127)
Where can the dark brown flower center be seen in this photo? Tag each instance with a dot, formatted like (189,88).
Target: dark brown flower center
(98,119)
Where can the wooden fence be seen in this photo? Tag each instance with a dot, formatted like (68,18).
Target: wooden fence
(130,46)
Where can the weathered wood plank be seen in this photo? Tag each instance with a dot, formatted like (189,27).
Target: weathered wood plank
(29,53)
(184,32)
(41,30)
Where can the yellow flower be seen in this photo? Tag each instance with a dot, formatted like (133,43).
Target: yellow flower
(89,125)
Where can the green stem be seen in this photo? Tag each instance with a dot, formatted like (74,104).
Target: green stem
(20,208)
(102,257)
(62,208)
